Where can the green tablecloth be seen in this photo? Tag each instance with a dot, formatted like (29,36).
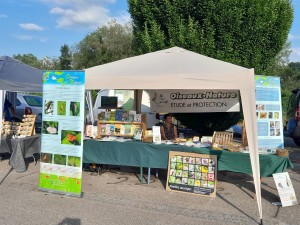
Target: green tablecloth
(142,154)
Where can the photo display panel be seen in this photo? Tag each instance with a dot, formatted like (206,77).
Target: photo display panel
(192,173)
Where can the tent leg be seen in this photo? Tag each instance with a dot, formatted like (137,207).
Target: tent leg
(254,196)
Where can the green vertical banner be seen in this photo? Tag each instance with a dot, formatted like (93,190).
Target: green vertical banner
(62,132)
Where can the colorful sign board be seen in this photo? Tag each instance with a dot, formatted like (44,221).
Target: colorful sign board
(269,113)
(62,132)
(285,189)
(194,100)
(192,173)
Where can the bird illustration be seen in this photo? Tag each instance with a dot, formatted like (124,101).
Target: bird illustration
(159,100)
(73,107)
(48,105)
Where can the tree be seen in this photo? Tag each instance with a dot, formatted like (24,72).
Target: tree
(49,63)
(65,60)
(247,33)
(108,43)
(288,74)
(290,80)
(28,59)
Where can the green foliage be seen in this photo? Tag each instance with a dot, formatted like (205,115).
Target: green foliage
(74,161)
(247,33)
(60,159)
(28,59)
(61,108)
(295,66)
(289,74)
(106,44)
(50,127)
(70,137)
(60,183)
(75,109)
(65,60)
(290,80)
(47,63)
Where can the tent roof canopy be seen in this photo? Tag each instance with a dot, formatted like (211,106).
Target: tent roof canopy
(17,76)
(173,68)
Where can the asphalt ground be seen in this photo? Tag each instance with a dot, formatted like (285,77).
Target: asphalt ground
(117,197)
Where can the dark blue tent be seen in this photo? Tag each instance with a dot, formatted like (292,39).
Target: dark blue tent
(16,76)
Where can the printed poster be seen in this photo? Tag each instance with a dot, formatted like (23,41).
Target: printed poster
(285,189)
(192,173)
(194,101)
(62,132)
(269,113)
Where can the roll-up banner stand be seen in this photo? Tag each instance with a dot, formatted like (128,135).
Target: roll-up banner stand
(62,132)
(269,114)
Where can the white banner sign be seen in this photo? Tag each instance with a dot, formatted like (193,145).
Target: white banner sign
(194,100)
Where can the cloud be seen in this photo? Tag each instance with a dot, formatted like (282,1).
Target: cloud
(293,37)
(43,39)
(295,55)
(30,38)
(90,17)
(123,18)
(23,37)
(3,16)
(31,26)
(84,14)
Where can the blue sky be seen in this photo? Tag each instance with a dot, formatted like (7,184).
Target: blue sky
(41,27)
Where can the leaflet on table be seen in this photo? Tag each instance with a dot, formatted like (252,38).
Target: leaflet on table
(285,189)
(269,113)
(62,132)
(156,134)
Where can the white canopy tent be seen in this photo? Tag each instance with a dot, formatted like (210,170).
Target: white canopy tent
(177,68)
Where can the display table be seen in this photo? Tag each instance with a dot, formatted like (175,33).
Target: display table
(142,154)
(20,148)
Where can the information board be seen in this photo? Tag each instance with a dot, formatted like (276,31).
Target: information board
(62,132)
(192,173)
(269,113)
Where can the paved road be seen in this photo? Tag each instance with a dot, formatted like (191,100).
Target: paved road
(118,198)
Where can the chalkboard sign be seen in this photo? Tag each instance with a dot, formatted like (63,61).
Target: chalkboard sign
(109,102)
(192,173)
